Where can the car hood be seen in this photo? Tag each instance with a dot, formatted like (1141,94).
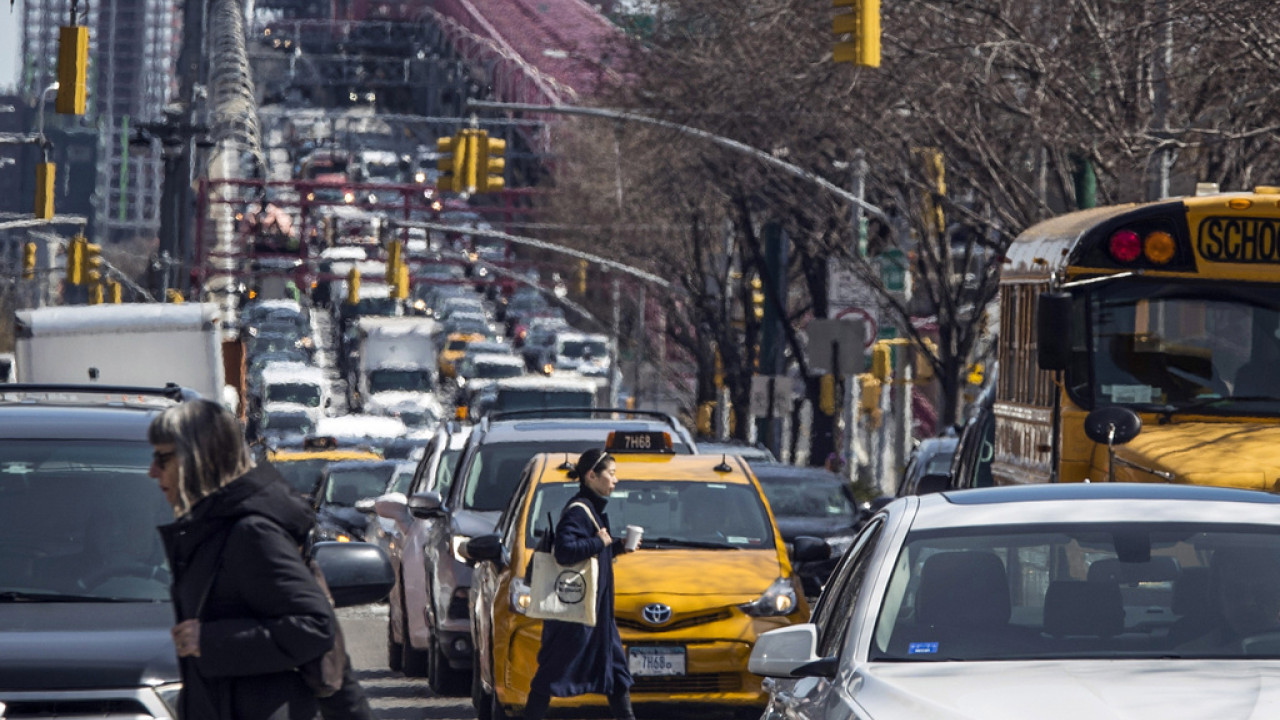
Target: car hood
(734,575)
(790,527)
(47,646)
(474,523)
(1062,690)
(1200,453)
(343,517)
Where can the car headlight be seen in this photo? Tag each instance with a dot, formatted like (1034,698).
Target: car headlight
(456,545)
(779,599)
(521,595)
(168,693)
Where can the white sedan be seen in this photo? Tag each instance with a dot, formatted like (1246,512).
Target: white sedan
(1118,601)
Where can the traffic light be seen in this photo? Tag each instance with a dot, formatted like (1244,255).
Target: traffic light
(115,292)
(827,394)
(92,272)
(882,361)
(863,27)
(490,164)
(923,366)
(95,294)
(757,299)
(73,59)
(28,261)
(75,260)
(395,253)
(353,286)
(399,282)
(582,277)
(174,296)
(934,167)
(456,165)
(46,172)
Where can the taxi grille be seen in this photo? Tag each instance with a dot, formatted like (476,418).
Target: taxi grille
(705,683)
(639,626)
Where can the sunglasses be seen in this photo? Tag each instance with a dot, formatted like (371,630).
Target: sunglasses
(162,458)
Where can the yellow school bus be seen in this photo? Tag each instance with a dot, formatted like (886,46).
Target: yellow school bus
(1155,326)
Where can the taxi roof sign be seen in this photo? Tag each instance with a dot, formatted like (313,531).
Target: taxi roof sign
(639,441)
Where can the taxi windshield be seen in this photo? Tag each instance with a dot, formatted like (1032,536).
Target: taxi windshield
(1167,345)
(675,514)
(1083,590)
(302,475)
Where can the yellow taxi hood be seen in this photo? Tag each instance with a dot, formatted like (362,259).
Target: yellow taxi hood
(1238,455)
(696,572)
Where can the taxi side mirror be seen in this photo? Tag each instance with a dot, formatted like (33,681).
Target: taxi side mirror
(486,548)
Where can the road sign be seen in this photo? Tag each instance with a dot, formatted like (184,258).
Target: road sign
(870,327)
(836,346)
(765,387)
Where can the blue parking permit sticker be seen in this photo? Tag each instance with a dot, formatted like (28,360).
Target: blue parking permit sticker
(922,648)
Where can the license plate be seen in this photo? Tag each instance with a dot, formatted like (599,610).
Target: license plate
(649,661)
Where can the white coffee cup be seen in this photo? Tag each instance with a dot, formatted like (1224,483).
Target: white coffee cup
(632,536)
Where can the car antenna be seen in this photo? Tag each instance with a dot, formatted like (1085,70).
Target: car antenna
(724,464)
(566,465)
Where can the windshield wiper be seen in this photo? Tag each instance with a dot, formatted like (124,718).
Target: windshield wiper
(16,596)
(1207,402)
(653,543)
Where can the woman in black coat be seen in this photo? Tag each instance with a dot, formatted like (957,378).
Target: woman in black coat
(249,609)
(575,659)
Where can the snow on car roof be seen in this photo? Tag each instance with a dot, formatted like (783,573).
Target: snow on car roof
(497,359)
(278,408)
(345,252)
(561,381)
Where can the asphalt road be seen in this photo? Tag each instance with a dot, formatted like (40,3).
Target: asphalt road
(392,695)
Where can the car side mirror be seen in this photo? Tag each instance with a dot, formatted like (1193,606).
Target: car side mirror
(934,483)
(426,505)
(806,548)
(486,548)
(356,573)
(365,505)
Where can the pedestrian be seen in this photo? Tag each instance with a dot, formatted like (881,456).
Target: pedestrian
(249,610)
(575,659)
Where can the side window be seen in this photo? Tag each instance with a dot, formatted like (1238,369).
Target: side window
(507,523)
(420,475)
(835,608)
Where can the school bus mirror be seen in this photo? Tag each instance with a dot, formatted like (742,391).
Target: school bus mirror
(1053,330)
(1112,425)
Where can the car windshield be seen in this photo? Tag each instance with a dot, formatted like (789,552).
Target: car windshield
(584,349)
(542,398)
(488,371)
(809,497)
(301,393)
(674,513)
(347,485)
(78,519)
(281,424)
(1084,590)
(1146,343)
(494,472)
(400,380)
(302,475)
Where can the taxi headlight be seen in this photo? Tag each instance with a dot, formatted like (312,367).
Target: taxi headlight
(168,693)
(521,596)
(456,545)
(779,599)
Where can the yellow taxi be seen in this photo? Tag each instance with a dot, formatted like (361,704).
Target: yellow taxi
(301,467)
(711,574)
(455,346)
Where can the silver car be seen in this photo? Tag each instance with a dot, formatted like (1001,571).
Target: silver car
(1052,601)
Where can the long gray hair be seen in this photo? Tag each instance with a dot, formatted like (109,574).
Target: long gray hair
(209,446)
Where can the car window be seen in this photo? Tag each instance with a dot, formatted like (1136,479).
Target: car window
(79,518)
(1083,590)
(421,478)
(835,606)
(302,475)
(671,511)
(802,497)
(494,469)
(444,471)
(345,487)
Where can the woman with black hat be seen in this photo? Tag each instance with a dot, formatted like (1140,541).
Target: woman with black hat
(575,659)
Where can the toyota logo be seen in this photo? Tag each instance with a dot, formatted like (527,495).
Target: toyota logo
(656,614)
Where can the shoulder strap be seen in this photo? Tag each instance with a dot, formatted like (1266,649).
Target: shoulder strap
(587,508)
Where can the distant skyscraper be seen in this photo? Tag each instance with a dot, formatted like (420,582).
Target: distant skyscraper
(133,45)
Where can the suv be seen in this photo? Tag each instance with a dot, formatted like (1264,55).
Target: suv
(485,478)
(83,574)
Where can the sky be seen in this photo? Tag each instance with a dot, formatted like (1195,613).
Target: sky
(10,45)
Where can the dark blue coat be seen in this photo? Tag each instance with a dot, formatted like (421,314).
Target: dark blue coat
(575,659)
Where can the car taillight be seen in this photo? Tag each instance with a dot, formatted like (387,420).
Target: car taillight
(1125,245)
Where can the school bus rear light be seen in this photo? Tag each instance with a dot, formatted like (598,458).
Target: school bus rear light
(1125,246)
(1159,247)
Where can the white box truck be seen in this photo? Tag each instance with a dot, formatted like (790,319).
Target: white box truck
(145,345)
(393,355)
